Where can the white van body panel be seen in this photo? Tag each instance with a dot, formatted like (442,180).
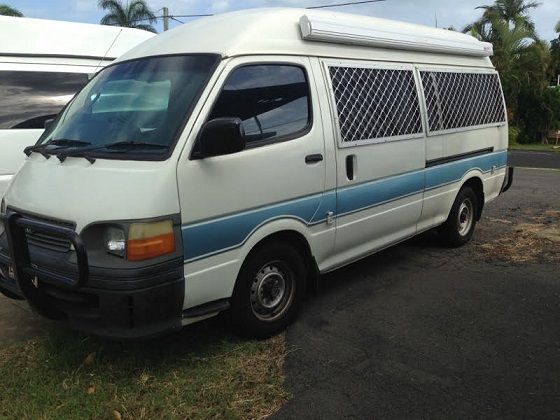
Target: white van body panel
(42,37)
(148,190)
(277,31)
(48,46)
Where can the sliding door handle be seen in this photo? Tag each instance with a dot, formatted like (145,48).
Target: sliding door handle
(318,157)
(350,167)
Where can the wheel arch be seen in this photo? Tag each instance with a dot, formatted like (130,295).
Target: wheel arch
(476,184)
(285,230)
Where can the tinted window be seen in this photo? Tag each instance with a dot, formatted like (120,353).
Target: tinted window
(28,98)
(271,100)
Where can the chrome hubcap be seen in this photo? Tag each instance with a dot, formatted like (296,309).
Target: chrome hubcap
(271,291)
(466,216)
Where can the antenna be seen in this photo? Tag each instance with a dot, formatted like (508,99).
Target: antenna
(108,49)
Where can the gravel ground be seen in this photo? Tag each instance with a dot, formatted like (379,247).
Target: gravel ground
(419,331)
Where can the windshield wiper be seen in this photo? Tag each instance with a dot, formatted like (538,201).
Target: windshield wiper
(110,146)
(62,143)
(135,145)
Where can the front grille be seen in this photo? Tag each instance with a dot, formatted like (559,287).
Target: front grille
(48,240)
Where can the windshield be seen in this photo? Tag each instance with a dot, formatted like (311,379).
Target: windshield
(136,108)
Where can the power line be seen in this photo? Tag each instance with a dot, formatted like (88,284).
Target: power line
(351,3)
(190,16)
(174,17)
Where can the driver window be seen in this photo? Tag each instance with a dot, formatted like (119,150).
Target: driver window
(272,100)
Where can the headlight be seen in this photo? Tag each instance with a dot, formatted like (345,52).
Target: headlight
(115,241)
(145,240)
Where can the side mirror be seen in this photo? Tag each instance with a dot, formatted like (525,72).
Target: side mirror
(48,123)
(221,136)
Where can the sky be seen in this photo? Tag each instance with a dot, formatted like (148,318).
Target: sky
(456,13)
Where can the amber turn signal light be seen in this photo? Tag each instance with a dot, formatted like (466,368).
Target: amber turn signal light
(150,240)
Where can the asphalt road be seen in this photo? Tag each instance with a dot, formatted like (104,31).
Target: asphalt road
(534,159)
(420,331)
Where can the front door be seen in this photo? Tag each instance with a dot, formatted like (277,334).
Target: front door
(280,174)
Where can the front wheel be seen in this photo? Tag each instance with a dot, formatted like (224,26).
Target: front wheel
(459,227)
(269,290)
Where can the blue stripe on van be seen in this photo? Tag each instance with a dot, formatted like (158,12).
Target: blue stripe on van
(371,194)
(228,232)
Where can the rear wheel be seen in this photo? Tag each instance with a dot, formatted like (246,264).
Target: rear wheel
(459,227)
(269,290)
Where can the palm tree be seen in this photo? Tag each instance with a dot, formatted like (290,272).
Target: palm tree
(9,11)
(510,11)
(133,14)
(481,31)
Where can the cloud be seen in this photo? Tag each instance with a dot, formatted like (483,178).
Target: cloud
(85,6)
(221,6)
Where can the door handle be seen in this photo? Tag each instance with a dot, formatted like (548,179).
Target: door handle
(318,157)
(350,163)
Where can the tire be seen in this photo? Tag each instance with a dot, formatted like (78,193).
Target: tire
(459,226)
(269,290)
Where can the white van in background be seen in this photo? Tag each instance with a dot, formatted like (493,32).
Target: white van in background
(43,63)
(217,166)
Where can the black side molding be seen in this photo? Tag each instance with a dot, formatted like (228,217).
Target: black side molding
(207,308)
(452,158)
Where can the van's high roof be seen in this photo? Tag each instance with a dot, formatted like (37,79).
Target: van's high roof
(51,38)
(291,31)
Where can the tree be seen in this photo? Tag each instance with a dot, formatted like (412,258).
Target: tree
(525,64)
(511,11)
(9,11)
(133,14)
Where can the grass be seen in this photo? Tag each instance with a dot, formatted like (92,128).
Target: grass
(534,240)
(537,147)
(201,372)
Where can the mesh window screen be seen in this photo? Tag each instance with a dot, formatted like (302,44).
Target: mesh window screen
(375,103)
(456,100)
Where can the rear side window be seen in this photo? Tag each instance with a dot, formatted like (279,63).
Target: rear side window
(375,103)
(456,100)
(28,98)
(272,100)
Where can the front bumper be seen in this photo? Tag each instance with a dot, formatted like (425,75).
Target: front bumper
(120,304)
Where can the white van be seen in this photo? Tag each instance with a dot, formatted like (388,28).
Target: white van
(218,166)
(43,63)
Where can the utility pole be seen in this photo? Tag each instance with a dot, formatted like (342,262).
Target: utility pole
(165,19)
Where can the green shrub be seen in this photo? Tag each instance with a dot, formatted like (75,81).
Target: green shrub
(513,135)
